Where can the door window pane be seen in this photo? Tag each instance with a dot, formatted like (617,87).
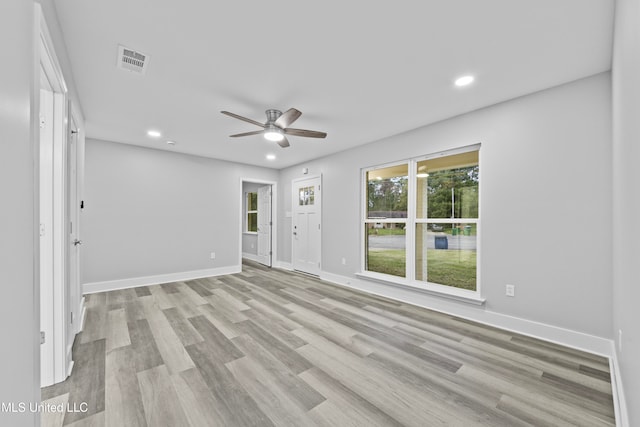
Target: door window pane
(386,248)
(387,192)
(306,196)
(446,254)
(447,187)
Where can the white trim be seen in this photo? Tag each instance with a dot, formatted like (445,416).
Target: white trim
(619,401)
(283,265)
(443,291)
(134,282)
(251,257)
(49,64)
(70,366)
(82,309)
(566,337)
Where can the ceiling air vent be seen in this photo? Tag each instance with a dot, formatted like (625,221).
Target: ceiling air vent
(131,60)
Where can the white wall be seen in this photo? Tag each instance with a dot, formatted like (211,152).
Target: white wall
(626,199)
(545,201)
(19,314)
(249,241)
(152,212)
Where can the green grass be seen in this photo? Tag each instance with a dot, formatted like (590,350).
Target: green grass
(453,268)
(387,261)
(445,267)
(387,231)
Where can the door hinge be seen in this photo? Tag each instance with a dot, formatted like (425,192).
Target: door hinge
(43,123)
(72,317)
(270,253)
(270,222)
(318,226)
(42,337)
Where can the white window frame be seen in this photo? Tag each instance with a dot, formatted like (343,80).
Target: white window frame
(247,211)
(410,222)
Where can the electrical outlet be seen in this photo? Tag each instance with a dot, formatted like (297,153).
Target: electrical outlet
(213,255)
(510,290)
(620,340)
(344,261)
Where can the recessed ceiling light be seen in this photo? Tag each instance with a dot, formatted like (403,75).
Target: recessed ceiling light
(422,175)
(464,81)
(171,142)
(271,156)
(154,133)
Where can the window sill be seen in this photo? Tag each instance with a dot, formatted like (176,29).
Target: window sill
(251,233)
(462,295)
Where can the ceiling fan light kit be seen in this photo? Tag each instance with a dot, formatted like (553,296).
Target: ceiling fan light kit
(277,126)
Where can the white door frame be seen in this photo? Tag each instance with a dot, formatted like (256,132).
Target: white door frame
(55,304)
(294,201)
(274,216)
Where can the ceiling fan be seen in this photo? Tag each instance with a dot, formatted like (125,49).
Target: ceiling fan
(277,126)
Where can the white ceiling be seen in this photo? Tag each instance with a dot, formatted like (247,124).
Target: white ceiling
(358,70)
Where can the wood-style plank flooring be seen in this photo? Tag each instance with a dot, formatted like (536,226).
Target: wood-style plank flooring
(272,348)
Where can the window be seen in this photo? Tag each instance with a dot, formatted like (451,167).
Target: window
(386,220)
(421,220)
(252,212)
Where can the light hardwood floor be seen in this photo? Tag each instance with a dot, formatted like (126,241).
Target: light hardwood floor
(266,347)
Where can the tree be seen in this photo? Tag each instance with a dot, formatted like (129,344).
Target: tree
(463,182)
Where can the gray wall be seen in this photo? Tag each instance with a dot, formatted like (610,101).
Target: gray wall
(249,241)
(19,314)
(151,212)
(626,199)
(545,201)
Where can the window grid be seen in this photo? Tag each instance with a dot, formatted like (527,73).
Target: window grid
(411,221)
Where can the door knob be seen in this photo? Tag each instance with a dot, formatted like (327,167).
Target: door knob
(77,242)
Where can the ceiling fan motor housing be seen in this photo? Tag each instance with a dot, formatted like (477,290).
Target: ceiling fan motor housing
(272,115)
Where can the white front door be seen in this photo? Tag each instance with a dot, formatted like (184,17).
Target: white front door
(306,204)
(264,225)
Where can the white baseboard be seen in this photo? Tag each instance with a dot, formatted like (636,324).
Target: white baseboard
(70,368)
(112,285)
(619,401)
(283,265)
(82,309)
(565,337)
(251,257)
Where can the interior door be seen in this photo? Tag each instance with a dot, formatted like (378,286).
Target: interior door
(264,225)
(74,241)
(307,208)
(47,360)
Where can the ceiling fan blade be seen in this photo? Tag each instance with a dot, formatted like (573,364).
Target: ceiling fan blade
(304,132)
(255,132)
(284,143)
(287,118)
(244,119)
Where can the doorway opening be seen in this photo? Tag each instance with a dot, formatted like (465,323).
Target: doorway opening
(257,234)
(59,155)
